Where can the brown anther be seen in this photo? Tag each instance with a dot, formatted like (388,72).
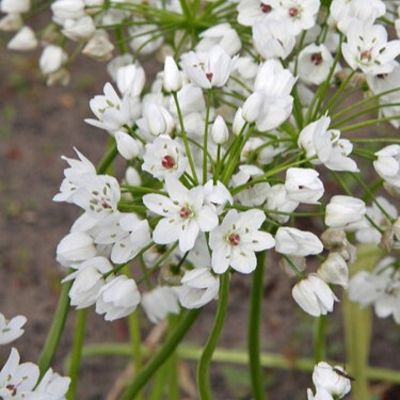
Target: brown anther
(265,8)
(184,213)
(234,239)
(168,162)
(293,12)
(316,58)
(209,75)
(366,55)
(12,389)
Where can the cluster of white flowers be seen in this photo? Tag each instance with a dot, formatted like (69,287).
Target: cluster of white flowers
(21,381)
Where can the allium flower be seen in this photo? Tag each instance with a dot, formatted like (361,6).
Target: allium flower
(118,298)
(52,59)
(15,6)
(51,387)
(342,211)
(24,40)
(156,121)
(314,296)
(99,46)
(334,270)
(314,64)
(210,69)
(112,112)
(17,380)
(221,34)
(159,303)
(130,80)
(294,242)
(184,212)
(164,157)
(367,49)
(236,240)
(271,103)
(80,29)
(333,379)
(199,287)
(380,288)
(277,201)
(388,164)
(320,394)
(172,79)
(67,9)
(127,146)
(303,185)
(274,38)
(11,330)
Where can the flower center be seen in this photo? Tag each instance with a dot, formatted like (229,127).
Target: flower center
(209,76)
(265,8)
(185,212)
(168,162)
(316,58)
(12,389)
(293,12)
(366,55)
(234,239)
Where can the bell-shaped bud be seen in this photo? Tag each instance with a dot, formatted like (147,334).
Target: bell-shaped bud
(219,131)
(334,270)
(172,80)
(127,146)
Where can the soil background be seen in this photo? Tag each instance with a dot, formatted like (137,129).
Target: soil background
(38,124)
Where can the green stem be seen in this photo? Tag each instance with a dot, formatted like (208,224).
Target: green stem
(80,328)
(253,343)
(205,143)
(203,369)
(107,159)
(56,330)
(319,339)
(159,359)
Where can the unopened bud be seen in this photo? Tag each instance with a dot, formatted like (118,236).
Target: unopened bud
(172,81)
(219,131)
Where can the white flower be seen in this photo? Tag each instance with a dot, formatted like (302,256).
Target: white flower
(24,40)
(367,48)
(127,146)
(156,120)
(236,240)
(303,185)
(11,330)
(334,270)
(277,201)
(112,113)
(252,195)
(221,34)
(274,38)
(145,41)
(67,9)
(219,131)
(118,298)
(52,59)
(17,380)
(88,281)
(344,210)
(80,29)
(326,144)
(314,64)
(11,22)
(380,288)
(184,212)
(15,6)
(333,379)
(208,69)
(172,79)
(74,248)
(271,103)
(164,157)
(217,195)
(294,242)
(160,302)
(51,387)
(130,80)
(314,296)
(199,287)
(252,11)
(320,394)
(388,164)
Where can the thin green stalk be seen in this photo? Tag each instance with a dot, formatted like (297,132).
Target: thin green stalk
(121,41)
(205,143)
(163,354)
(80,328)
(185,139)
(319,339)
(253,344)
(136,342)
(107,159)
(203,369)
(57,327)
(369,122)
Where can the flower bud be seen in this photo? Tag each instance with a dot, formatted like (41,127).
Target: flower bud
(172,80)
(52,58)
(238,122)
(132,177)
(303,185)
(219,131)
(99,47)
(127,146)
(15,6)
(11,23)
(294,242)
(160,302)
(252,107)
(334,380)
(75,247)
(81,29)
(131,79)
